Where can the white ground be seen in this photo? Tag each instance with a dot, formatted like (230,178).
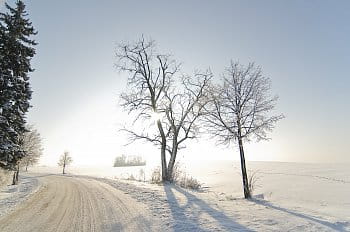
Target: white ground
(291,197)
(12,195)
(66,203)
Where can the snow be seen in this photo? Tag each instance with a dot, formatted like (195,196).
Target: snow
(12,195)
(279,205)
(70,203)
(315,188)
(290,196)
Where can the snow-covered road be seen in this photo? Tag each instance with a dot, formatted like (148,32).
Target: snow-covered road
(66,203)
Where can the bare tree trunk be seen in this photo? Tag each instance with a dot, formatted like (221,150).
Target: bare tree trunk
(173,154)
(244,170)
(172,164)
(26,167)
(163,152)
(163,160)
(17,173)
(64,166)
(15,176)
(243,166)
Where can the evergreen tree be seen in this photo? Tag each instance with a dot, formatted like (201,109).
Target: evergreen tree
(16,51)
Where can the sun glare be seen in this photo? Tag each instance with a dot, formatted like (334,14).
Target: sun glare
(156,116)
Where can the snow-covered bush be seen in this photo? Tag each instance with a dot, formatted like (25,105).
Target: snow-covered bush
(126,161)
(188,182)
(253,179)
(156,176)
(179,177)
(131,177)
(182,179)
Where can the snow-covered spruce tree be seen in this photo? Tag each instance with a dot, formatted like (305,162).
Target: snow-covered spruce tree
(16,51)
(240,109)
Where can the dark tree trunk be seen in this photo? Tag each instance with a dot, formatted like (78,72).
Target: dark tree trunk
(172,164)
(64,166)
(17,173)
(173,156)
(163,160)
(163,152)
(26,167)
(15,176)
(243,166)
(244,170)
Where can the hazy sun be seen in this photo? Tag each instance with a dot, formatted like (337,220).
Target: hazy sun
(156,116)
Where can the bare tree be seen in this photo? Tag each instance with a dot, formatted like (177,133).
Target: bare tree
(240,109)
(157,94)
(31,146)
(65,160)
(184,106)
(150,74)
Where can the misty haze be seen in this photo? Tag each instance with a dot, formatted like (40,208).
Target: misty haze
(174,116)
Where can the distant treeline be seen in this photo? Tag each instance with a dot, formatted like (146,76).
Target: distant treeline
(124,161)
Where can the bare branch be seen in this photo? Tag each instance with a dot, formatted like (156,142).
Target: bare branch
(240,106)
(31,144)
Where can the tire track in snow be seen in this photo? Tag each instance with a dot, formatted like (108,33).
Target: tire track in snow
(78,204)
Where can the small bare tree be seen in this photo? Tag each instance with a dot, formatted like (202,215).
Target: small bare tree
(32,147)
(240,109)
(30,144)
(184,106)
(64,161)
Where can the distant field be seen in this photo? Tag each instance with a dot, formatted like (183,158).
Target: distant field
(321,188)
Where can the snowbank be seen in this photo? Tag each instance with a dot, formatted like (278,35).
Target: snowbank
(12,195)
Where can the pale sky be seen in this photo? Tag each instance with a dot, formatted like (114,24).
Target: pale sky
(303,46)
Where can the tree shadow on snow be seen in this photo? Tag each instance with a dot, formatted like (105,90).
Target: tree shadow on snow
(138,223)
(338,226)
(187,217)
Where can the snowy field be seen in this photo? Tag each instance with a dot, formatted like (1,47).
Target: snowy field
(288,196)
(317,188)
